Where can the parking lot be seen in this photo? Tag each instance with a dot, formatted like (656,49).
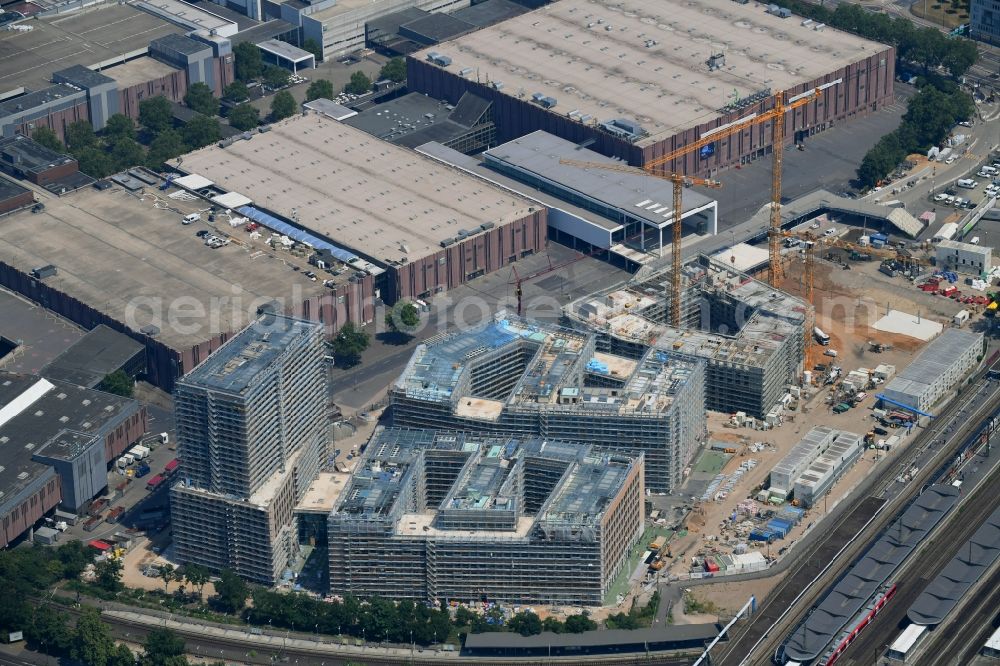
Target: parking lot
(143,509)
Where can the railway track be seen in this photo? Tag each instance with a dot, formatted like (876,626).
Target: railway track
(326,652)
(920,570)
(975,624)
(806,581)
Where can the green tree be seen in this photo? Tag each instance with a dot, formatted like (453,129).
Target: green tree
(80,135)
(92,643)
(403,318)
(577,624)
(196,575)
(49,630)
(48,138)
(201,131)
(552,624)
(163,647)
(127,153)
(167,574)
(349,343)
(199,98)
(394,70)
(319,88)
(94,162)
(155,114)
(244,117)
(282,106)
(359,84)
(464,617)
(122,656)
(525,623)
(108,574)
(119,383)
(231,592)
(119,127)
(313,47)
(74,557)
(236,92)
(166,146)
(247,61)
(276,77)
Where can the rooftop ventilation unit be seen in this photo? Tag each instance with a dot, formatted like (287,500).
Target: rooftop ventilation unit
(439,59)
(624,128)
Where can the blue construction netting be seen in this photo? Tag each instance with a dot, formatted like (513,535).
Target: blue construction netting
(295,233)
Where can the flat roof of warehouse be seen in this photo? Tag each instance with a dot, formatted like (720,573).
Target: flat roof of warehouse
(371,196)
(127,257)
(597,57)
(84,37)
(639,194)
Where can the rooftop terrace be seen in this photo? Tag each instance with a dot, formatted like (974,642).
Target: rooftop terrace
(556,362)
(487,484)
(647,62)
(235,364)
(589,488)
(379,199)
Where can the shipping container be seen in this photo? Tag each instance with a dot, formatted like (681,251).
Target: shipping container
(171,466)
(154,482)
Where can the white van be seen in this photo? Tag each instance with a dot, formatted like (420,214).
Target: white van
(967,183)
(975,240)
(193,217)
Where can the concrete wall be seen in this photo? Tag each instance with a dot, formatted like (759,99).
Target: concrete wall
(352,302)
(25,198)
(55,116)
(173,86)
(483,253)
(984,21)
(345,31)
(23,510)
(865,87)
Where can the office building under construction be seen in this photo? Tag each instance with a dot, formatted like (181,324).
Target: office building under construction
(253,430)
(750,334)
(440,516)
(511,376)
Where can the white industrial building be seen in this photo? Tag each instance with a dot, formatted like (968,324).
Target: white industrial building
(840,454)
(964,257)
(815,463)
(938,368)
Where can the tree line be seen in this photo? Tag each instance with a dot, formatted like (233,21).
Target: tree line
(925,47)
(939,102)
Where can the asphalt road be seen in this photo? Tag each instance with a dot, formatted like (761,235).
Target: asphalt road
(829,161)
(357,386)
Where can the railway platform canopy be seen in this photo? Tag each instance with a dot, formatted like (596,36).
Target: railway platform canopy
(848,598)
(973,559)
(612,641)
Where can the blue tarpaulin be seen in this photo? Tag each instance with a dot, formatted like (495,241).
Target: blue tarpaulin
(295,233)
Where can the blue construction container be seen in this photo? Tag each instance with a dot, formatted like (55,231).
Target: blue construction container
(780,527)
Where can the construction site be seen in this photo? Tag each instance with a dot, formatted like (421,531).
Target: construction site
(456,517)
(514,376)
(750,335)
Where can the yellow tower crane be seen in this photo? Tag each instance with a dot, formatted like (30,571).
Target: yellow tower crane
(653,167)
(780,108)
(678,182)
